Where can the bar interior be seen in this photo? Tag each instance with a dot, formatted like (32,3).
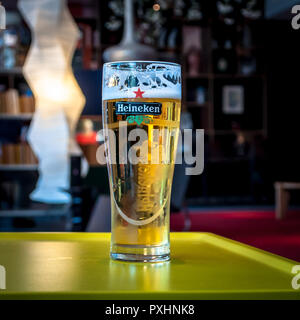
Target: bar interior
(240,84)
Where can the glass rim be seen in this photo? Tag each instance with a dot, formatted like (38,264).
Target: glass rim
(162,63)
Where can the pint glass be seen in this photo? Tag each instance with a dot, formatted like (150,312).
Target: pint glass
(141,115)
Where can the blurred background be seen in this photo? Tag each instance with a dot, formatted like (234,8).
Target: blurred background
(240,62)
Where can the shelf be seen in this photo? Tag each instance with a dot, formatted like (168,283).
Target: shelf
(18,167)
(12,71)
(37,210)
(33,167)
(195,104)
(21,116)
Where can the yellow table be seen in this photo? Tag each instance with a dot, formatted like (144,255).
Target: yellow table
(77,266)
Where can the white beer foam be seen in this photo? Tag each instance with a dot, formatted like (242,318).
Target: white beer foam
(155,82)
(167,93)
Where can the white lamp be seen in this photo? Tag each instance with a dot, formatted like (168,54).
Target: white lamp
(59,99)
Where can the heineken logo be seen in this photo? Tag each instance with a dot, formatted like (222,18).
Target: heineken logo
(125,107)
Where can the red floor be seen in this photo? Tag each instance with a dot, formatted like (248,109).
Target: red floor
(256,228)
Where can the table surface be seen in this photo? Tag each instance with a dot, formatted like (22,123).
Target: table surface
(202,266)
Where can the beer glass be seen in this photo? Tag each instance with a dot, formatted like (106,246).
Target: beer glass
(141,115)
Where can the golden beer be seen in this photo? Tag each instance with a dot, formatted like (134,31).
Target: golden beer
(141,189)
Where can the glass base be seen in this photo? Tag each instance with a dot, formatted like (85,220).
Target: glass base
(137,253)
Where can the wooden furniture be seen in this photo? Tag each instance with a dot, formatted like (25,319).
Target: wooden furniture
(282,197)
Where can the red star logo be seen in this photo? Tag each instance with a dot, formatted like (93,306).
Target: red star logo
(139,93)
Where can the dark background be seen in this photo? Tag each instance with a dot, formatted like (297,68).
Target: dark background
(269,123)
